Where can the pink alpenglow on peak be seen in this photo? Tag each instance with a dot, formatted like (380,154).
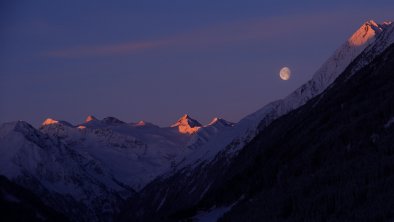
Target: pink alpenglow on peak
(54,123)
(140,123)
(143,124)
(90,118)
(214,120)
(365,33)
(49,121)
(187,125)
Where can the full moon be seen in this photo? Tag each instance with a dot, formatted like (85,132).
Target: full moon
(285,73)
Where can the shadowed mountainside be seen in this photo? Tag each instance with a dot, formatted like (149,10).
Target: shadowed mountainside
(331,159)
(19,204)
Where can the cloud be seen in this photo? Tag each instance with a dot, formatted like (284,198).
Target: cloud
(258,29)
(105,50)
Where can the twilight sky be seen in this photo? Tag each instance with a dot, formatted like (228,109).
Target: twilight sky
(156,60)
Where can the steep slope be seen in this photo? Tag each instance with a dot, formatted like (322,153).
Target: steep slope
(382,42)
(88,170)
(235,138)
(134,153)
(188,186)
(132,161)
(207,133)
(334,66)
(71,182)
(19,204)
(187,125)
(329,160)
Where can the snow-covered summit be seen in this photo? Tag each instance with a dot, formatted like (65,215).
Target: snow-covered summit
(15,126)
(140,123)
(135,153)
(90,118)
(220,122)
(367,31)
(383,40)
(334,66)
(50,121)
(187,125)
(144,124)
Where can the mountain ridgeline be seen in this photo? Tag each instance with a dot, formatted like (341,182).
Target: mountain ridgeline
(323,153)
(330,160)
(322,148)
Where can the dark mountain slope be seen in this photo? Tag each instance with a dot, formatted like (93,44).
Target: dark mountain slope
(19,204)
(330,160)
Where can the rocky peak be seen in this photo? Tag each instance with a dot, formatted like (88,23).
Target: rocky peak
(187,125)
(112,120)
(90,118)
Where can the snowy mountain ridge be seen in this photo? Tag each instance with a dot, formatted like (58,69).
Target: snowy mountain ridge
(62,176)
(383,40)
(134,153)
(97,164)
(216,169)
(187,125)
(233,139)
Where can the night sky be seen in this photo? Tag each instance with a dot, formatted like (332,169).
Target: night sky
(156,60)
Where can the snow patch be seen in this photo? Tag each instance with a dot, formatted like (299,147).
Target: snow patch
(389,123)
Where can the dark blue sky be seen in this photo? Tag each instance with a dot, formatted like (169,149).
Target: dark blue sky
(156,60)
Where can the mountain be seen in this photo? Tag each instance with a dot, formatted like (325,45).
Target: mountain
(207,180)
(247,128)
(204,134)
(112,121)
(19,204)
(329,160)
(90,118)
(134,153)
(187,125)
(328,130)
(219,122)
(71,182)
(92,167)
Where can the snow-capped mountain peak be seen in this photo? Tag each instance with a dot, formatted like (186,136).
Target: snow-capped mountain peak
(219,121)
(387,23)
(187,125)
(366,32)
(334,66)
(49,121)
(90,118)
(383,40)
(248,127)
(18,126)
(140,123)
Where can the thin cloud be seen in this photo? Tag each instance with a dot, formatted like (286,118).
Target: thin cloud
(105,50)
(260,29)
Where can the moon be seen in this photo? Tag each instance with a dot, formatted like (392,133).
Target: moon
(285,73)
